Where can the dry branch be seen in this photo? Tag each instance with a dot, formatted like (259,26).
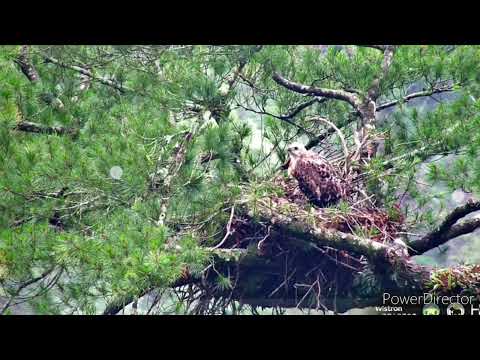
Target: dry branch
(32,127)
(447,230)
(414,95)
(377,47)
(342,95)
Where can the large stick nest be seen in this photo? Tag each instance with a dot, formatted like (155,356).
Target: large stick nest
(354,214)
(291,267)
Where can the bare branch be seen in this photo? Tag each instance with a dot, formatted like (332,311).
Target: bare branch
(294,112)
(342,95)
(377,47)
(32,127)
(459,213)
(229,231)
(283,118)
(413,96)
(447,230)
(436,239)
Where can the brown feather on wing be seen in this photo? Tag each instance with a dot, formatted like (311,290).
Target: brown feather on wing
(318,180)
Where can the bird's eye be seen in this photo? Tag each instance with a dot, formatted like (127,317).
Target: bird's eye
(295,148)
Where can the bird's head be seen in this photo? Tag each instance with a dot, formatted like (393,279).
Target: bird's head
(295,150)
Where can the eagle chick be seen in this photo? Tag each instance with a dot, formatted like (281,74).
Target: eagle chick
(320,181)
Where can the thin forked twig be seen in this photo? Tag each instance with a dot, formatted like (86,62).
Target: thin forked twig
(229,231)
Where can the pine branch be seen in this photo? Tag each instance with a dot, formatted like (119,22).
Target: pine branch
(342,95)
(374,90)
(25,65)
(459,213)
(318,139)
(389,163)
(291,113)
(377,47)
(285,118)
(103,80)
(25,285)
(238,72)
(414,95)
(447,230)
(294,112)
(32,127)
(220,255)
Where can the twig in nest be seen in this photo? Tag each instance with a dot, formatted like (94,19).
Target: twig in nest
(259,246)
(335,260)
(283,283)
(341,263)
(317,295)
(229,231)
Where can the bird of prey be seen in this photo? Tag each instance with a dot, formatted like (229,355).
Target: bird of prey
(321,182)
